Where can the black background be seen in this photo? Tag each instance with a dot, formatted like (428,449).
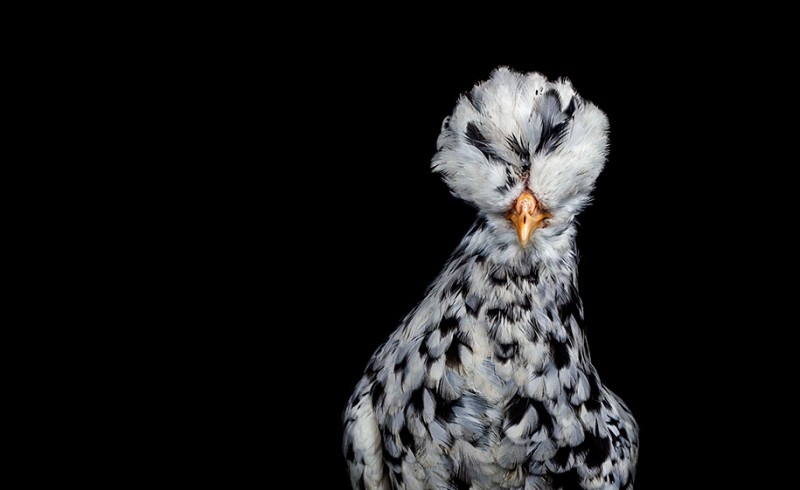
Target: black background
(283,219)
(333,226)
(646,243)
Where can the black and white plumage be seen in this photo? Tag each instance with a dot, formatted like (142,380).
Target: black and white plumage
(488,382)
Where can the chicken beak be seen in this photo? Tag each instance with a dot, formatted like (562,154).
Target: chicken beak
(526,216)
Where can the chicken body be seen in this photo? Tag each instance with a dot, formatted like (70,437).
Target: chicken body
(488,382)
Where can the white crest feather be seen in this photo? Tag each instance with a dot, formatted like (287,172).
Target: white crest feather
(520,130)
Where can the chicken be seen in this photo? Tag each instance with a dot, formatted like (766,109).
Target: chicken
(488,382)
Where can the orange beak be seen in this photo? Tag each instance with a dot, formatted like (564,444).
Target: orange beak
(526,216)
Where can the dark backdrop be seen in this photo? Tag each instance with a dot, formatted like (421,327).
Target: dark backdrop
(389,226)
(333,226)
(308,224)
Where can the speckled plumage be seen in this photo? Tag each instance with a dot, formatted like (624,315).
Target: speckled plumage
(488,382)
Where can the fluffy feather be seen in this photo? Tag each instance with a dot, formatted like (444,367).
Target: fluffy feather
(488,382)
(519,129)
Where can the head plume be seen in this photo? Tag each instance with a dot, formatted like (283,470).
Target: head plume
(517,131)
